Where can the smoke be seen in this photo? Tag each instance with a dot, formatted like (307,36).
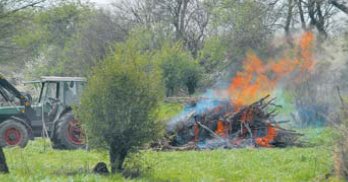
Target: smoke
(208,101)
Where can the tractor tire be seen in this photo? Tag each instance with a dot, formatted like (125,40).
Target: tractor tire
(68,133)
(13,133)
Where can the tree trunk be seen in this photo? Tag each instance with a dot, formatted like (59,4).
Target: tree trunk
(182,18)
(114,159)
(303,22)
(311,13)
(321,20)
(117,158)
(288,23)
(288,18)
(316,17)
(176,20)
(3,164)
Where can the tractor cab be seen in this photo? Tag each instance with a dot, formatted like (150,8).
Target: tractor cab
(57,95)
(65,89)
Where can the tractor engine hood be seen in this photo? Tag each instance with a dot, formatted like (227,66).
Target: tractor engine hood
(11,110)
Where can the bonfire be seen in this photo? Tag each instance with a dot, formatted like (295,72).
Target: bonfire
(237,117)
(223,127)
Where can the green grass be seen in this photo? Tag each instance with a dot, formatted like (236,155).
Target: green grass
(321,136)
(292,164)
(168,110)
(38,162)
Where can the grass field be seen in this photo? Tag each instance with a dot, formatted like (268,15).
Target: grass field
(38,162)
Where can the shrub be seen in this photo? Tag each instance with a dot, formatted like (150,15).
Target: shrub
(118,107)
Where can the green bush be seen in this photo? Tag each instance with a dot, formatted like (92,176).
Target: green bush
(179,69)
(212,55)
(118,107)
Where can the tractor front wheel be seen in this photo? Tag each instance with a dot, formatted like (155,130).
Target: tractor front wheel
(68,133)
(13,133)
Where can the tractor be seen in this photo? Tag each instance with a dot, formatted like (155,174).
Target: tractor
(23,118)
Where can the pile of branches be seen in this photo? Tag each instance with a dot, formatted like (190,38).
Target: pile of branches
(223,126)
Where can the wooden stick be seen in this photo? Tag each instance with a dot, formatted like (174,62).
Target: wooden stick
(209,130)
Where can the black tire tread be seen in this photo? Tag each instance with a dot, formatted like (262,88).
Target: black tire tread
(59,140)
(21,127)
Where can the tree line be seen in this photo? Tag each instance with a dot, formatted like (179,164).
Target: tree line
(68,38)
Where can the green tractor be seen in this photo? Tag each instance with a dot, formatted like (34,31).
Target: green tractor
(23,118)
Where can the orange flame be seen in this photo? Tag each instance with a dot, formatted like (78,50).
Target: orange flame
(266,140)
(259,78)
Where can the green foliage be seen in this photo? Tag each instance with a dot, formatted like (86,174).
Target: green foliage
(91,44)
(213,54)
(172,60)
(69,39)
(179,69)
(47,37)
(118,107)
(245,24)
(138,164)
(53,26)
(147,40)
(191,76)
(10,26)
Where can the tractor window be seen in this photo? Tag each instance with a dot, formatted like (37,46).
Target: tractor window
(51,90)
(80,86)
(70,93)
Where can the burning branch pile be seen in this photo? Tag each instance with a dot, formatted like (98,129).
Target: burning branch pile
(223,126)
(234,122)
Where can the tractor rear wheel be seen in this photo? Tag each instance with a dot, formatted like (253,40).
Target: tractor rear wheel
(13,133)
(68,133)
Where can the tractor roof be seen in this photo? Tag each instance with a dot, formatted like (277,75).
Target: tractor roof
(63,79)
(57,79)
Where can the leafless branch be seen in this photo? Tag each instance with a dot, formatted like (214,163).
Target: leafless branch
(22,5)
(340,6)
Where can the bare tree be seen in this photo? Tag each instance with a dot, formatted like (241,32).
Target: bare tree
(301,14)
(245,24)
(316,16)
(339,5)
(9,7)
(139,12)
(289,17)
(94,41)
(311,14)
(187,19)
